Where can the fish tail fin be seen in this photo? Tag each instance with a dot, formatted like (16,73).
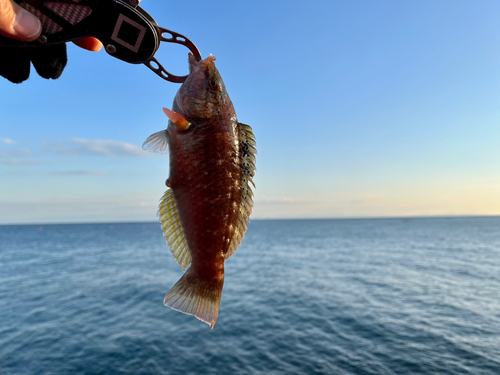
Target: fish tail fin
(193,295)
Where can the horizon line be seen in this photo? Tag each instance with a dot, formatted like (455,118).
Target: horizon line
(409,217)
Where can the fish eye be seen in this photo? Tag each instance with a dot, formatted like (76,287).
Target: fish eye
(214,84)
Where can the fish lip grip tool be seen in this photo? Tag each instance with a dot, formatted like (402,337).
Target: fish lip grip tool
(127,31)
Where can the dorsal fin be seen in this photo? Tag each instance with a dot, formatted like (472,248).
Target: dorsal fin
(247,160)
(173,231)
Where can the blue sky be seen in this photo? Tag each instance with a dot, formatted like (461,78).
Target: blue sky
(360,109)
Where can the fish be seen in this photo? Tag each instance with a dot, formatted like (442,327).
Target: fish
(205,212)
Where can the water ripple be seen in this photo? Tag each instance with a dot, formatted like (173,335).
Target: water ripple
(300,297)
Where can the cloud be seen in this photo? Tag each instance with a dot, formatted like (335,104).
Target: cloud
(21,162)
(8,141)
(101,147)
(86,172)
(12,156)
(19,153)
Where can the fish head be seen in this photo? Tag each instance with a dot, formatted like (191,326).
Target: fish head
(203,95)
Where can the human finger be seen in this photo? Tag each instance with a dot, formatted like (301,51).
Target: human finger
(89,43)
(17,23)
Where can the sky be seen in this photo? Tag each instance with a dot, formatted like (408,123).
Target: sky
(360,109)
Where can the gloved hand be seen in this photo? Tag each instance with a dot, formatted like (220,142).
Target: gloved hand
(49,61)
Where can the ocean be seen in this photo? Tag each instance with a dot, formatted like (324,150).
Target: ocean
(368,296)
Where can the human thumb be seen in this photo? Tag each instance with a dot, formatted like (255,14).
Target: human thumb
(18,23)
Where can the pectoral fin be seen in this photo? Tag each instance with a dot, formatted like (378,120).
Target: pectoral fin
(156,142)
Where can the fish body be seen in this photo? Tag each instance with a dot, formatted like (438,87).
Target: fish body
(204,214)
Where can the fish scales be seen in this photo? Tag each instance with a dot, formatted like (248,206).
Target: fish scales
(212,162)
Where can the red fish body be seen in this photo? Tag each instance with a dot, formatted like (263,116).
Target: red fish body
(204,214)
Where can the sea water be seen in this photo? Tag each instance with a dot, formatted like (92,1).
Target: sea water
(373,296)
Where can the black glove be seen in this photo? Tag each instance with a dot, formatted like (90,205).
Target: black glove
(49,62)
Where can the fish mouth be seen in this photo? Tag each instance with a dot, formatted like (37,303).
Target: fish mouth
(193,99)
(194,65)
